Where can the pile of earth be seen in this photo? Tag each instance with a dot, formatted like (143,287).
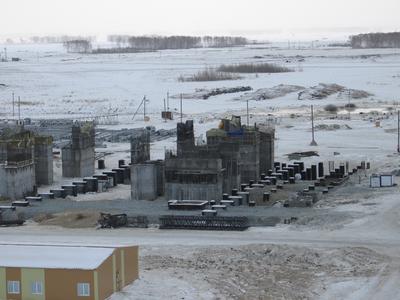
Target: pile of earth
(206,93)
(271,93)
(323,90)
(331,127)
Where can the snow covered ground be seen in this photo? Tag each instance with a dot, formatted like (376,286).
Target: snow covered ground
(319,258)
(359,259)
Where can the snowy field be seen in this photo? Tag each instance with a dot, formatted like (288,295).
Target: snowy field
(321,258)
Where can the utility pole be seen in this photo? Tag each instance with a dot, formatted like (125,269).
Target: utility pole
(398,131)
(144,108)
(313,142)
(165,112)
(181,110)
(5,53)
(13,104)
(19,108)
(247,104)
(168,101)
(348,101)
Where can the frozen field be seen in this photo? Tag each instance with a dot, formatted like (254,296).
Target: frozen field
(52,83)
(325,256)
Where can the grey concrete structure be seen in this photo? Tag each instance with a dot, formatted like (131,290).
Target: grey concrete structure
(140,147)
(193,178)
(147,180)
(43,154)
(185,138)
(267,148)
(256,145)
(17,180)
(144,182)
(17,168)
(244,152)
(78,157)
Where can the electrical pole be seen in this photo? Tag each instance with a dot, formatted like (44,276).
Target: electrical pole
(247,104)
(19,108)
(348,102)
(168,101)
(313,142)
(144,108)
(181,110)
(13,104)
(165,112)
(398,131)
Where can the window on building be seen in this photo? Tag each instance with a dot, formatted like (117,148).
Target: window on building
(83,289)
(37,288)
(13,287)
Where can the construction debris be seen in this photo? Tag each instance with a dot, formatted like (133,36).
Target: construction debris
(112,221)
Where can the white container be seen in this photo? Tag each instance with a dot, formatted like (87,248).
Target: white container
(387,180)
(375,181)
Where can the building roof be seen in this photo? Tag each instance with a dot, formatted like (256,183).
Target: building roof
(53,257)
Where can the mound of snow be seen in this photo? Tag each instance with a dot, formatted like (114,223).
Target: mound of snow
(271,93)
(321,91)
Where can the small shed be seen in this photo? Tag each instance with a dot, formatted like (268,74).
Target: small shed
(375,181)
(383,180)
(387,180)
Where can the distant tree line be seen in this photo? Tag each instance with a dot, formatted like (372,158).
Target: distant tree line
(57,39)
(376,40)
(78,46)
(175,42)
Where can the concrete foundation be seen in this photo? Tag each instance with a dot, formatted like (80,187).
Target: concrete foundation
(17,181)
(140,147)
(17,168)
(43,154)
(144,182)
(147,180)
(78,157)
(193,179)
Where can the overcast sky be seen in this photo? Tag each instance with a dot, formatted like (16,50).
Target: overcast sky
(261,18)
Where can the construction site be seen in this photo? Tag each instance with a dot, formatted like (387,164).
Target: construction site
(277,184)
(231,181)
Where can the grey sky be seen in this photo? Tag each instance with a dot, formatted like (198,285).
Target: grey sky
(256,17)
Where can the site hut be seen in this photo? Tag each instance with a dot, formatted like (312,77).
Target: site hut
(50,272)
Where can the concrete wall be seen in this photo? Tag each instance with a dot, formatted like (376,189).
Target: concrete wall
(193,179)
(44,160)
(140,147)
(185,137)
(144,182)
(78,158)
(267,148)
(16,182)
(78,162)
(250,162)
(187,191)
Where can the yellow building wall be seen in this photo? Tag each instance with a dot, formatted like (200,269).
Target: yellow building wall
(131,260)
(3,283)
(28,276)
